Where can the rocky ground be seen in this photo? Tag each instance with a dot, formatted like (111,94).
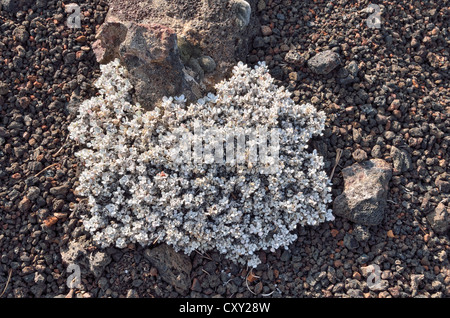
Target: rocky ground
(386,94)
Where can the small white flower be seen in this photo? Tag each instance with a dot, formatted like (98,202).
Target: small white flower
(140,192)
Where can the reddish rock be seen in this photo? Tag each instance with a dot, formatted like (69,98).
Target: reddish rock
(161,44)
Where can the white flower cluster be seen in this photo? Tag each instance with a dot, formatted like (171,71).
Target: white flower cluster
(137,192)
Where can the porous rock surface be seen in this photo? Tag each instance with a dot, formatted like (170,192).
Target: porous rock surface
(164,44)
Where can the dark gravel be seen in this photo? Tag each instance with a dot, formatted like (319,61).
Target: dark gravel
(388,98)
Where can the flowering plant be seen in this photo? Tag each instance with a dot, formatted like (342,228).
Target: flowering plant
(138,190)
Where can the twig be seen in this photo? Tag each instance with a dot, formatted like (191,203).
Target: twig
(52,165)
(56,154)
(265,295)
(207,256)
(156,239)
(246,281)
(206,272)
(338,158)
(7,282)
(420,226)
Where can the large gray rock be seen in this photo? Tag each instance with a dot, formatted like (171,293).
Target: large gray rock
(159,42)
(363,200)
(173,267)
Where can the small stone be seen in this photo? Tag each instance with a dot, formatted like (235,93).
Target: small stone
(33,193)
(261,5)
(347,80)
(98,261)
(353,68)
(439,219)
(376,151)
(196,286)
(284,47)
(50,221)
(324,62)
(294,57)
(24,205)
(442,184)
(20,34)
(173,267)
(359,155)
(355,293)
(24,102)
(4,89)
(102,283)
(350,242)
(60,190)
(334,232)
(38,289)
(258,42)
(286,256)
(379,285)
(153,272)
(207,63)
(258,288)
(70,58)
(198,70)
(401,160)
(266,30)
(81,39)
(337,263)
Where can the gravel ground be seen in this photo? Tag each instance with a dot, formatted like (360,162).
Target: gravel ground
(396,97)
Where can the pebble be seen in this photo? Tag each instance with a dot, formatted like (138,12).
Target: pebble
(207,63)
(266,30)
(324,62)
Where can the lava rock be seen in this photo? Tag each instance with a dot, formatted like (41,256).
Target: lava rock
(97,262)
(363,200)
(207,63)
(350,242)
(439,219)
(294,57)
(4,89)
(20,34)
(401,160)
(324,62)
(12,6)
(173,267)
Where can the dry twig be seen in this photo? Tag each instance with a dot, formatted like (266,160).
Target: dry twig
(7,282)
(52,165)
(338,158)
